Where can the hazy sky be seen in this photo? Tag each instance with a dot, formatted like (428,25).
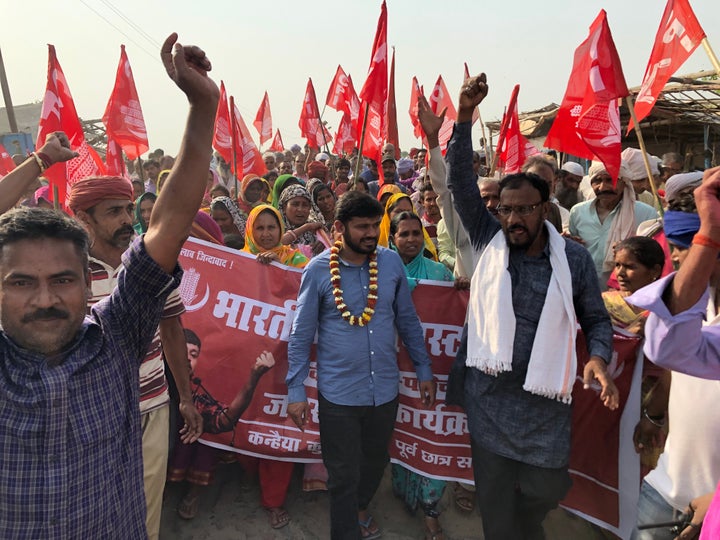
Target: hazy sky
(276,45)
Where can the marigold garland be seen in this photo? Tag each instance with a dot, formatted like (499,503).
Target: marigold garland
(369,310)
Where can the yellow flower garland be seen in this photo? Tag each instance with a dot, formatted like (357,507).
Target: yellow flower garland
(369,310)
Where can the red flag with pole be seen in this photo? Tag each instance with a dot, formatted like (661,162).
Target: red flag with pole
(415,94)
(310,121)
(353,102)
(249,157)
(587,124)
(114,162)
(440,99)
(277,142)
(222,137)
(476,112)
(337,93)
(677,38)
(123,117)
(6,162)
(373,95)
(513,148)
(391,127)
(344,138)
(263,120)
(59,114)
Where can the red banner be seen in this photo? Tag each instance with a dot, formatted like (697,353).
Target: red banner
(587,124)
(123,117)
(263,120)
(677,38)
(237,319)
(440,99)
(222,137)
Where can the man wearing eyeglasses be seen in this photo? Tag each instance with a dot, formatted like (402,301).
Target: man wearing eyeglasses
(516,365)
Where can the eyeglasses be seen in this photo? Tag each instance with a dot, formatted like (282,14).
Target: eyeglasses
(523,211)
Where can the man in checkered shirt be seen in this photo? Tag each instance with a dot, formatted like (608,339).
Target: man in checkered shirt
(70,454)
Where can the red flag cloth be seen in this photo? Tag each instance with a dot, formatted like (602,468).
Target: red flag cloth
(439,100)
(391,126)
(344,138)
(415,94)
(337,93)
(310,121)
(277,143)
(677,38)
(249,158)
(476,111)
(59,114)
(6,162)
(353,102)
(587,124)
(114,162)
(123,117)
(513,148)
(222,138)
(374,92)
(263,121)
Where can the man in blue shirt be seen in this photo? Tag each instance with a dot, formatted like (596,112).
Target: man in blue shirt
(356,315)
(70,459)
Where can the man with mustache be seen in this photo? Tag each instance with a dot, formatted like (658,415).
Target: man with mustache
(612,216)
(71,463)
(357,316)
(516,365)
(104,206)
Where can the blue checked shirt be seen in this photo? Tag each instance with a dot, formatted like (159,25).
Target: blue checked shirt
(70,450)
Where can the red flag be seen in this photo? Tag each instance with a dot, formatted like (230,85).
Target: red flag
(373,95)
(353,102)
(391,127)
(123,116)
(6,162)
(114,162)
(277,143)
(249,158)
(439,100)
(587,124)
(263,121)
(677,38)
(344,138)
(337,93)
(222,138)
(476,111)
(310,121)
(59,114)
(415,94)
(513,148)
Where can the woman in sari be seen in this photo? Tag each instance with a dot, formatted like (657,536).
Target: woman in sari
(228,216)
(143,209)
(284,181)
(325,200)
(397,203)
(303,221)
(263,235)
(253,191)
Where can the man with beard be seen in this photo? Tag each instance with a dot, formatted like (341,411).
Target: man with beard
(516,365)
(567,188)
(356,313)
(104,206)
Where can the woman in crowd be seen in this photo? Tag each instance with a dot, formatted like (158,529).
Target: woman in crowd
(253,191)
(303,222)
(143,208)
(263,234)
(228,216)
(400,202)
(283,182)
(324,199)
(386,191)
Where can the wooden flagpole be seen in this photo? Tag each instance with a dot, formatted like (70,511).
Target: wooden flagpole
(322,128)
(501,139)
(233,141)
(646,161)
(711,54)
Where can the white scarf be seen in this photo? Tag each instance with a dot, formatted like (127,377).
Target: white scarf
(491,321)
(623,225)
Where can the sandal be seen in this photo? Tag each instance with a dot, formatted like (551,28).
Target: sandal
(278,517)
(369,529)
(433,530)
(464,499)
(188,507)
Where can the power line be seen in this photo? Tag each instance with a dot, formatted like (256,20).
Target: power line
(132,25)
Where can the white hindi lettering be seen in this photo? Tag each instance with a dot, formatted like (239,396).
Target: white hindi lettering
(436,421)
(211,259)
(406,449)
(464,462)
(277,405)
(442,339)
(229,306)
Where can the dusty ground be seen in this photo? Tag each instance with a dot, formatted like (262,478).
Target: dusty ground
(230,510)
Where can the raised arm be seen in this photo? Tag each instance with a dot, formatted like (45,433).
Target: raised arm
(183,191)
(55,150)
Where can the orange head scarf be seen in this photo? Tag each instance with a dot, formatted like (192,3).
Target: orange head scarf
(286,255)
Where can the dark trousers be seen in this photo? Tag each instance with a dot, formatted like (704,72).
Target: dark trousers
(515,497)
(355,452)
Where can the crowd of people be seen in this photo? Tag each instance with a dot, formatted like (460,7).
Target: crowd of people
(91,428)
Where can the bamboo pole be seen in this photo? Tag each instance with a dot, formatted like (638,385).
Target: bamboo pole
(320,122)
(356,174)
(233,124)
(646,161)
(711,54)
(501,139)
(56,195)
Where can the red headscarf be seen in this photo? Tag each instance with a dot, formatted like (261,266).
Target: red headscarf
(88,192)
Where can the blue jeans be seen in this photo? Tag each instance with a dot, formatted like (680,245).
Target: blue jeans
(652,508)
(355,452)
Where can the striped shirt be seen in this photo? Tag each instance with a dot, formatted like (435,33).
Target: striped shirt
(70,440)
(153,385)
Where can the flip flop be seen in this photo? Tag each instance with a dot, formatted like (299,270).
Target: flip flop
(188,507)
(369,529)
(278,517)
(464,499)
